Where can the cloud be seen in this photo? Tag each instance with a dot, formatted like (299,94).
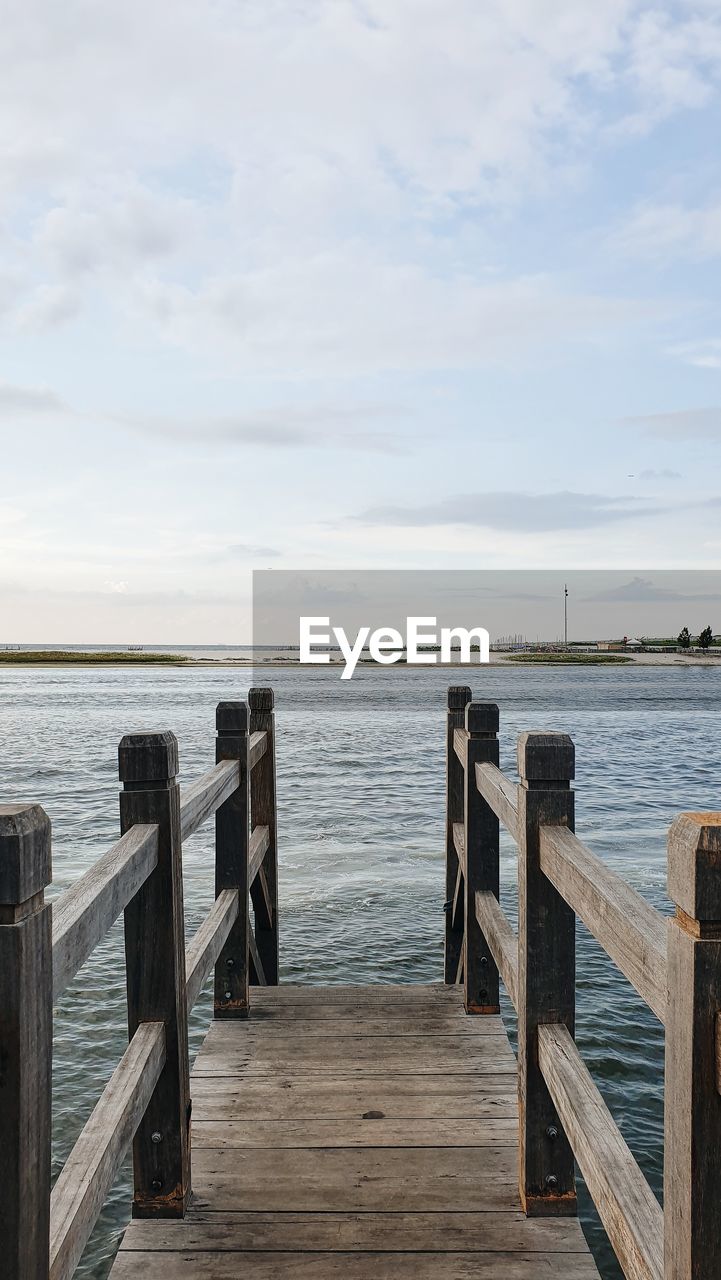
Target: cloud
(640,590)
(517,512)
(680,423)
(320,426)
(650,473)
(29,400)
(248,549)
(705,354)
(664,231)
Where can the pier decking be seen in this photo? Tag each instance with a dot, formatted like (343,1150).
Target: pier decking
(357,1132)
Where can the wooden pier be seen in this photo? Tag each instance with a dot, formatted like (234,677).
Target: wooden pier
(382,1131)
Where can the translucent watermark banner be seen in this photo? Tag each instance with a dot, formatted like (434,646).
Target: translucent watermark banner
(345,620)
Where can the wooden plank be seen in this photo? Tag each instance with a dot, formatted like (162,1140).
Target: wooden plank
(90,1170)
(324,994)
(692,1105)
(362,1179)
(231,983)
(263,814)
(469,1232)
(402,1021)
(546,971)
(500,793)
(328,1097)
(353,1055)
(628,928)
(257,747)
(491,1131)
(480,839)
(257,972)
(208,942)
(458,696)
(501,940)
(460,742)
(626,1205)
(459,844)
(351,1266)
(155,966)
(87,910)
(26,1041)
(259,844)
(205,795)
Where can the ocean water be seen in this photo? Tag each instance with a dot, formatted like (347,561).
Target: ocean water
(361,821)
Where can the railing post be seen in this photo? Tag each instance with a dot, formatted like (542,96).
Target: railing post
(26,1042)
(155,960)
(692,1157)
(458,697)
(232,827)
(546,972)
(481,833)
(263,814)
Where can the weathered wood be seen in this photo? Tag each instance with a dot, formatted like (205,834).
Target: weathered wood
(459,844)
(257,747)
(500,793)
(231,998)
(398,1097)
(263,814)
(207,944)
(628,928)
(352,1055)
(90,1169)
(259,845)
(204,796)
(626,1204)
(155,964)
(89,908)
(469,1232)
(460,742)
(256,970)
(482,871)
(26,1041)
(692,1160)
(243,1135)
(458,696)
(352,1266)
(546,971)
(459,900)
(501,940)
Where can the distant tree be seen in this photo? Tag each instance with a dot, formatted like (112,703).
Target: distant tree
(684,638)
(706,638)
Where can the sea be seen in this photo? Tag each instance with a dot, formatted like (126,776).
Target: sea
(361,839)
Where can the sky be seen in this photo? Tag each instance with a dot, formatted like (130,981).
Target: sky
(343,284)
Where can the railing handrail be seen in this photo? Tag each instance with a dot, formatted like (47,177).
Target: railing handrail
(674,965)
(44,1233)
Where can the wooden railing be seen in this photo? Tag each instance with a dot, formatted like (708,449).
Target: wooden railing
(42,948)
(675,966)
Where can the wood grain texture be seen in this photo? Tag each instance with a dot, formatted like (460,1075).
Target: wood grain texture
(257,747)
(501,940)
(208,942)
(263,813)
(26,1039)
(628,928)
(373,1150)
(628,1209)
(231,983)
(89,908)
(155,966)
(201,799)
(259,845)
(482,871)
(546,971)
(90,1169)
(500,793)
(458,696)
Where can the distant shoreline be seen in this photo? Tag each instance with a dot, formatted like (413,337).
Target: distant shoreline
(58,658)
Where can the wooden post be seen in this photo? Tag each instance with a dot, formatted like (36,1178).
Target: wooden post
(26,1042)
(481,835)
(263,814)
(232,829)
(155,960)
(458,697)
(692,1158)
(546,972)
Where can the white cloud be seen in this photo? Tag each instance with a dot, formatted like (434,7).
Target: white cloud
(666,232)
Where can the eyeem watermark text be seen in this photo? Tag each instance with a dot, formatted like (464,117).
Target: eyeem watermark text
(422,644)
